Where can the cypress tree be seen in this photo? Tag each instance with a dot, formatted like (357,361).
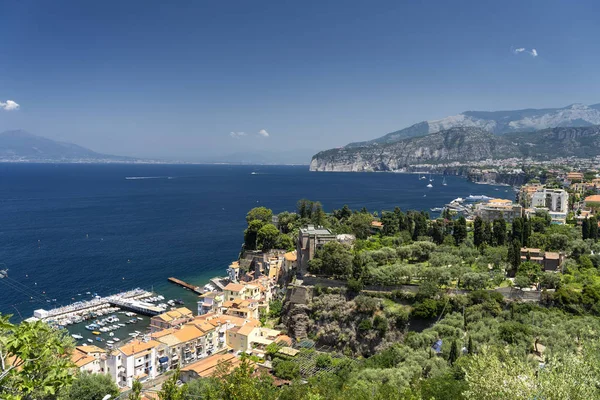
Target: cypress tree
(594,228)
(478,231)
(460,230)
(585,229)
(487,233)
(470,346)
(453,356)
(499,232)
(517,230)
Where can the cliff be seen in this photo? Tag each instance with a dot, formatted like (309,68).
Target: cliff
(461,145)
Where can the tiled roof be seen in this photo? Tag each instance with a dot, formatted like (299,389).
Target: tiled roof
(137,347)
(206,367)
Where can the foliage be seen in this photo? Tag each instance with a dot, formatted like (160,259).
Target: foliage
(92,387)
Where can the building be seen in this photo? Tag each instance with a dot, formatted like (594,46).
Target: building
(181,345)
(251,339)
(233,272)
(241,291)
(550,261)
(554,200)
(207,367)
(171,319)
(592,202)
(575,176)
(310,239)
(136,360)
(247,309)
(526,193)
(498,209)
(90,359)
(210,302)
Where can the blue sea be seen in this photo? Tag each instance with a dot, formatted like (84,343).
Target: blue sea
(68,229)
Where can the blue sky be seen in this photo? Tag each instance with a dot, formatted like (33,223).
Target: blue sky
(157,79)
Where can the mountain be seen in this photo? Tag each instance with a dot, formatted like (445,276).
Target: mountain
(499,122)
(462,144)
(21,146)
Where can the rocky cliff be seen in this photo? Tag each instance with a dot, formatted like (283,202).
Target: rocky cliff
(462,144)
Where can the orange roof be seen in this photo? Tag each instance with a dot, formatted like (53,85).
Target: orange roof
(500,201)
(592,199)
(162,332)
(291,256)
(285,339)
(246,329)
(187,333)
(80,359)
(552,256)
(207,366)
(234,287)
(90,349)
(174,314)
(377,224)
(137,346)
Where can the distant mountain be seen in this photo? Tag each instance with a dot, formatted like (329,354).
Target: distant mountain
(462,144)
(499,122)
(22,146)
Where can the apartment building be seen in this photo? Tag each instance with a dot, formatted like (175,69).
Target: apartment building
(134,361)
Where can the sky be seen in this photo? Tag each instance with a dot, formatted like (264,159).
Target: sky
(194,79)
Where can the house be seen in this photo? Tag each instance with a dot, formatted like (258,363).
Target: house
(134,361)
(592,202)
(241,291)
(498,209)
(550,261)
(233,272)
(251,339)
(170,319)
(310,239)
(526,193)
(207,367)
(575,176)
(241,308)
(90,359)
(210,302)
(184,344)
(376,227)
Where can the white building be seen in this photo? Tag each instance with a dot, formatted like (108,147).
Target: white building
(555,200)
(134,361)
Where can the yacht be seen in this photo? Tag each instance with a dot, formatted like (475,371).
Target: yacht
(429,185)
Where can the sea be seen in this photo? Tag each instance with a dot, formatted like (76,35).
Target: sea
(70,231)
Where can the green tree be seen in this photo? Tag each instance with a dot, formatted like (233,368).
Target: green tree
(478,233)
(390,223)
(460,230)
(514,256)
(91,387)
(360,225)
(136,391)
(34,360)
(251,234)
(170,390)
(453,355)
(470,349)
(517,230)
(266,238)
(499,232)
(334,259)
(261,214)
(286,369)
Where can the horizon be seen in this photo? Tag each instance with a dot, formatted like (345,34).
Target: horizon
(190,82)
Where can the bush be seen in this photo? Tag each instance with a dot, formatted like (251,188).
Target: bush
(354,285)
(365,325)
(380,323)
(285,369)
(323,361)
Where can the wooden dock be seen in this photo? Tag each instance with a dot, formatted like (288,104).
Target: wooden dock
(195,289)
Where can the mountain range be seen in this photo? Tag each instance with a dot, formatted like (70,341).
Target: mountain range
(474,136)
(22,146)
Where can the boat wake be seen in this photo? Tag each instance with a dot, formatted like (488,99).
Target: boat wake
(147,177)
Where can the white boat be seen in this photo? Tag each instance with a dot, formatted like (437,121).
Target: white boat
(110,342)
(444,182)
(78,337)
(429,185)
(90,340)
(116,339)
(111,334)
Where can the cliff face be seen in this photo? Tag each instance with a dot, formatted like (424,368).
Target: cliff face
(456,144)
(461,145)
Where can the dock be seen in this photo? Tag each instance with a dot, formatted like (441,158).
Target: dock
(136,306)
(195,289)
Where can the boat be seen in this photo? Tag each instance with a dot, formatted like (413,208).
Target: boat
(444,182)
(99,339)
(116,339)
(429,185)
(140,318)
(478,197)
(110,342)
(96,333)
(111,334)
(78,337)
(90,340)
(436,209)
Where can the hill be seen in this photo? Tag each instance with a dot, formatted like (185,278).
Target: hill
(22,146)
(499,122)
(462,144)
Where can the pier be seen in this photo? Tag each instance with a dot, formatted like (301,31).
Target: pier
(137,306)
(195,289)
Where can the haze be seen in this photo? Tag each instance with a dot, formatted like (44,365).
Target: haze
(196,79)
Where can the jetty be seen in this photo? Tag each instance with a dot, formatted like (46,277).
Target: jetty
(193,288)
(137,306)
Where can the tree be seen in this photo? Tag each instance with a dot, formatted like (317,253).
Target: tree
(499,232)
(478,233)
(488,235)
(360,224)
(34,360)
(91,387)
(286,221)
(285,369)
(453,356)
(284,242)
(261,214)
(390,223)
(594,233)
(170,390)
(470,346)
(334,258)
(460,230)
(437,233)
(318,216)
(266,238)
(517,230)
(585,228)
(251,234)
(514,256)
(136,391)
